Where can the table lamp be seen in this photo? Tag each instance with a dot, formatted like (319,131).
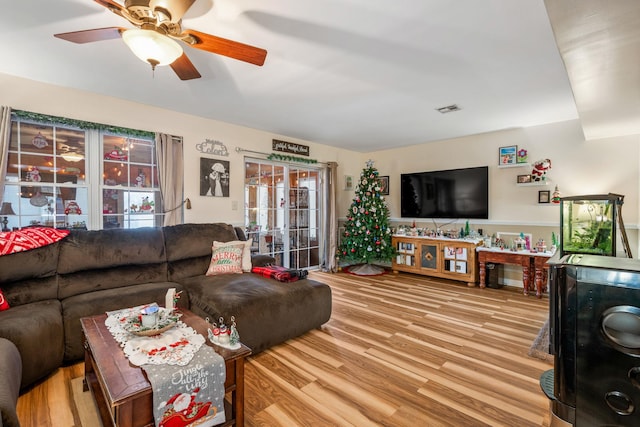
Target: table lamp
(5,210)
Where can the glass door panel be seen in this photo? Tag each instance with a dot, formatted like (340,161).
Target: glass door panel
(282,212)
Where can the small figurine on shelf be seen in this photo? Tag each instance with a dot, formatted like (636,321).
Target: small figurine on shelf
(541,246)
(555,197)
(176,298)
(171,300)
(234,337)
(554,241)
(222,335)
(213,332)
(540,169)
(223,338)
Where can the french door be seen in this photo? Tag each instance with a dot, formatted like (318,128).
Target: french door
(283,205)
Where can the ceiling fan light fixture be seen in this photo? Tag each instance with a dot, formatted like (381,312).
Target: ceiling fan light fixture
(152,47)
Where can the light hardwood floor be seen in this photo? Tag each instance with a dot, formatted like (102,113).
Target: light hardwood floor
(399,350)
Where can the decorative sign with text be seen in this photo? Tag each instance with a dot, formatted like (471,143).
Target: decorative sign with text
(290,147)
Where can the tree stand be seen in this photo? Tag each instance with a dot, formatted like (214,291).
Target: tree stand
(366,270)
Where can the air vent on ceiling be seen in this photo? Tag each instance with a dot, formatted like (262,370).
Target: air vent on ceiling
(448,109)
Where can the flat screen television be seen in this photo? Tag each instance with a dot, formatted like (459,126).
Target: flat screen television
(451,194)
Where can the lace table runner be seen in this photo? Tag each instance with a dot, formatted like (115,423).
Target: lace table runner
(175,346)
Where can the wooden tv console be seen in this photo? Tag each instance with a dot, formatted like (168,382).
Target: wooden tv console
(453,259)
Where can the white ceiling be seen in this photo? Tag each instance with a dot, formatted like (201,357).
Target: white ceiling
(359,74)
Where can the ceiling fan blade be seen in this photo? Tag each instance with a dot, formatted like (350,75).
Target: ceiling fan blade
(175,8)
(184,68)
(95,35)
(230,48)
(112,6)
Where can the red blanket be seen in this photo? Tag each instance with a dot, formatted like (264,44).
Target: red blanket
(279,273)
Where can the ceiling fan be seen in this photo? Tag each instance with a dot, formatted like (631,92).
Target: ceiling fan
(158,25)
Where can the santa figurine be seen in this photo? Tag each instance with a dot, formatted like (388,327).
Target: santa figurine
(540,168)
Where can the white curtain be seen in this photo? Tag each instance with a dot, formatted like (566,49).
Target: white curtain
(5,133)
(171,174)
(331,220)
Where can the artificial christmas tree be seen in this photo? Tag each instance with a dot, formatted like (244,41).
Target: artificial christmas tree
(367,236)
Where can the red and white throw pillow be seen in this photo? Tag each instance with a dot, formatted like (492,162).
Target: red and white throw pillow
(29,238)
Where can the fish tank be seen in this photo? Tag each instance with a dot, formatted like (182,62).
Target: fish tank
(589,224)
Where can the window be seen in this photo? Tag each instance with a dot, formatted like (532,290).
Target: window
(130,189)
(62,176)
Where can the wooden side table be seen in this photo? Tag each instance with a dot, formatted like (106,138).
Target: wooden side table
(534,266)
(505,257)
(121,390)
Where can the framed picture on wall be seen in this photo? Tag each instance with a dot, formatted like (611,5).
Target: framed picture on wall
(348,182)
(214,177)
(384,185)
(544,196)
(524,179)
(507,155)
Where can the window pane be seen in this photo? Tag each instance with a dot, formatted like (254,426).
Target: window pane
(70,150)
(140,151)
(140,176)
(115,173)
(32,138)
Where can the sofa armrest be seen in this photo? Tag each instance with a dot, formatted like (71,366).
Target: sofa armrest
(11,374)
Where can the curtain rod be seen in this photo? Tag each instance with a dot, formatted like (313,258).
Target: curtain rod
(275,156)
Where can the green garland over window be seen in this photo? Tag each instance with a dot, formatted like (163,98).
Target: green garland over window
(81,124)
(286,158)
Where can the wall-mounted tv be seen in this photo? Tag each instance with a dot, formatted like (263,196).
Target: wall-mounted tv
(451,194)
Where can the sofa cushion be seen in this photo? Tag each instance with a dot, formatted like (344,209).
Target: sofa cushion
(110,278)
(29,276)
(189,247)
(91,250)
(36,329)
(101,301)
(267,312)
(106,259)
(11,373)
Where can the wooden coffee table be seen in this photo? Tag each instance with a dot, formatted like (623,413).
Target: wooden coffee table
(123,393)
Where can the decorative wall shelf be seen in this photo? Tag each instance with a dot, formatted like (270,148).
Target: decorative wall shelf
(533,184)
(516,165)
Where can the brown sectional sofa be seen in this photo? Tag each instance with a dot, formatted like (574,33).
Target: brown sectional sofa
(89,272)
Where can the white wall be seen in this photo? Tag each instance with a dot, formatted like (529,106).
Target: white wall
(43,98)
(579,167)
